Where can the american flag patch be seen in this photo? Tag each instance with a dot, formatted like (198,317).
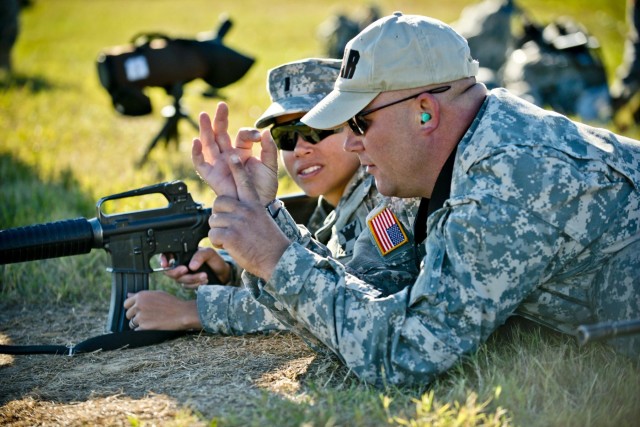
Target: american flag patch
(387,231)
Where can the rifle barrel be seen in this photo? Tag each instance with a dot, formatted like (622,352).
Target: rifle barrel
(606,330)
(50,240)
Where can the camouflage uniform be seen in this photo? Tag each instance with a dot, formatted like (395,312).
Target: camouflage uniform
(233,310)
(296,87)
(543,217)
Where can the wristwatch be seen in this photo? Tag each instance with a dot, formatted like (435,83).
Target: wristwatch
(274,207)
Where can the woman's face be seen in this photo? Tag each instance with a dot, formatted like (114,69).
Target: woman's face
(321,169)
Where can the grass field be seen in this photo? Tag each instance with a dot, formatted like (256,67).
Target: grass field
(63,146)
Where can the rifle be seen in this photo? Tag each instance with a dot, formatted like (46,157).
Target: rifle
(606,330)
(131,238)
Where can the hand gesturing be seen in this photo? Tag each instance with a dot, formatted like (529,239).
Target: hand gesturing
(244,228)
(210,152)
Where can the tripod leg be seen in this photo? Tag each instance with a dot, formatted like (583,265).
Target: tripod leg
(168,129)
(172,131)
(195,125)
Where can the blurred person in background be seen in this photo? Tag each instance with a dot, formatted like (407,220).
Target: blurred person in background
(9,27)
(627,81)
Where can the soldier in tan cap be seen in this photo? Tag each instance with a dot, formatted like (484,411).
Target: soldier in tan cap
(524,211)
(316,161)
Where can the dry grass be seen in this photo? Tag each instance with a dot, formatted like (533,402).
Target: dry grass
(62,147)
(203,375)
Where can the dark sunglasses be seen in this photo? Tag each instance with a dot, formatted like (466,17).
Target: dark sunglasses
(359,124)
(286,134)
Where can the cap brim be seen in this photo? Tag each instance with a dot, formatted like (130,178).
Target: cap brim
(287,106)
(336,108)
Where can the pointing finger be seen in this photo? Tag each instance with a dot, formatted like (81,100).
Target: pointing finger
(221,126)
(269,151)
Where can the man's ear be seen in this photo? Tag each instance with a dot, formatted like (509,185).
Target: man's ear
(429,113)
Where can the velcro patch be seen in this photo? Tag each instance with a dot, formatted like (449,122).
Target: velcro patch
(387,231)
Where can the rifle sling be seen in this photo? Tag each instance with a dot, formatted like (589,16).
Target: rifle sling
(439,195)
(112,341)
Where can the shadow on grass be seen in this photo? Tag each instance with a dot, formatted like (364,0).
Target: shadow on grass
(33,84)
(65,300)
(27,199)
(232,378)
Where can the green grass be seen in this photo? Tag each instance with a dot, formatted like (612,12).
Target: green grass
(62,147)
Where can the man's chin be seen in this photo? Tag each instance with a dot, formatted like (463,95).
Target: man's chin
(384,188)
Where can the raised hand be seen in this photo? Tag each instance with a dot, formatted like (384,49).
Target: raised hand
(264,171)
(209,150)
(244,228)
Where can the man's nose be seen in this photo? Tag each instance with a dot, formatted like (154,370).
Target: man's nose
(353,143)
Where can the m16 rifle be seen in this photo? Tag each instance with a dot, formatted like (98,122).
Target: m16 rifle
(131,239)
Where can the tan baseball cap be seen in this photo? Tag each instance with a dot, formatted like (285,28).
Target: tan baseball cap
(297,86)
(395,52)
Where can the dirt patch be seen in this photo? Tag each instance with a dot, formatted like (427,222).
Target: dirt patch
(200,373)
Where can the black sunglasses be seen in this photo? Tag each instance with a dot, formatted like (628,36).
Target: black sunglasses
(359,124)
(286,134)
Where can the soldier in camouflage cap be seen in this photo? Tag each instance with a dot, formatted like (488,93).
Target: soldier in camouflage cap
(297,86)
(316,161)
(524,211)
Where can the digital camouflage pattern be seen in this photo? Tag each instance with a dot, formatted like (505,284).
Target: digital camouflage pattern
(297,86)
(293,87)
(232,310)
(543,219)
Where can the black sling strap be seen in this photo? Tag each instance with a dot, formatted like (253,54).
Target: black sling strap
(112,341)
(439,195)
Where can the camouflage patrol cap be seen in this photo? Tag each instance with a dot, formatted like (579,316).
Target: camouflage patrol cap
(297,86)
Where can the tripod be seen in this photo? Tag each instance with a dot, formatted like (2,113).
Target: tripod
(173,113)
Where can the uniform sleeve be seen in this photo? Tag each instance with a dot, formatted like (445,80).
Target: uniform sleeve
(387,273)
(485,252)
(231,310)
(235,269)
(419,332)
(299,233)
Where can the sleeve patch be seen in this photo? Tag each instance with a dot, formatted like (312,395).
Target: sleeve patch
(387,231)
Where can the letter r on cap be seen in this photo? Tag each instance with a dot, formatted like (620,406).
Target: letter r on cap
(349,64)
